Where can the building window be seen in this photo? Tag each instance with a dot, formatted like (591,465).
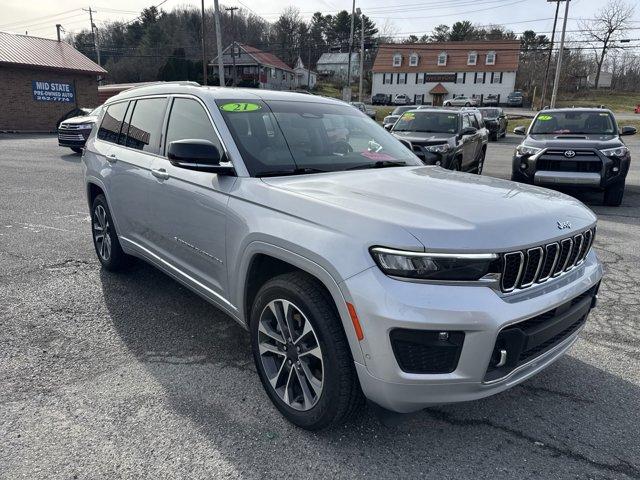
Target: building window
(472,58)
(479,77)
(402,78)
(273,73)
(397,60)
(496,77)
(418,99)
(413,60)
(420,77)
(442,59)
(387,78)
(491,58)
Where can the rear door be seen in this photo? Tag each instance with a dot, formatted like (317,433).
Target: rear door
(190,207)
(138,143)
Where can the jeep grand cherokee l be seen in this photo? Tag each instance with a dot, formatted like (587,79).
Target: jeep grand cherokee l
(453,139)
(358,271)
(574,147)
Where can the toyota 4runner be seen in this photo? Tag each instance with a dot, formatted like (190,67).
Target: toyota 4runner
(358,271)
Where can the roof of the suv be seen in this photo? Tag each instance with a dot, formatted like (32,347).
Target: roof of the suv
(219,93)
(576,109)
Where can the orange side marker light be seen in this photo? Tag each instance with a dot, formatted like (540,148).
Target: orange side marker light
(356,322)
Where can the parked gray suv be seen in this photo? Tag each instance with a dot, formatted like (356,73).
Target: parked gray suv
(358,271)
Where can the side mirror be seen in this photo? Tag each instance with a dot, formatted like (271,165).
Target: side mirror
(521,130)
(628,131)
(388,127)
(197,154)
(468,131)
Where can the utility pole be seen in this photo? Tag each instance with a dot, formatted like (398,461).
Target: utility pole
(233,44)
(58,29)
(361,54)
(309,68)
(353,14)
(204,49)
(216,14)
(546,70)
(94,32)
(556,82)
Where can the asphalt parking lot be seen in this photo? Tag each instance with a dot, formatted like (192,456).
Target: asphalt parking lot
(131,375)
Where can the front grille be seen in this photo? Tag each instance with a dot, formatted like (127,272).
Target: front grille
(584,161)
(522,269)
(71,136)
(426,351)
(526,340)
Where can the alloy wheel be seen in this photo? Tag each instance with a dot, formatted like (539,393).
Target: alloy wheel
(290,354)
(102,233)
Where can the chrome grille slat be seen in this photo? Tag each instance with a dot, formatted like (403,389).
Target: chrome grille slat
(524,268)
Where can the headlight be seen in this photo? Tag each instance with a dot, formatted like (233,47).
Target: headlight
(85,126)
(615,152)
(433,266)
(526,150)
(445,147)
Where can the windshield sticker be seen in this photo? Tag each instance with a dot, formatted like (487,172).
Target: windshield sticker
(240,107)
(409,116)
(544,118)
(377,156)
(603,114)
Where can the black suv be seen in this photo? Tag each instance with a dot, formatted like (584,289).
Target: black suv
(496,122)
(574,147)
(453,139)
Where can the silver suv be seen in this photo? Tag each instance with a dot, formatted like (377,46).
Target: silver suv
(358,271)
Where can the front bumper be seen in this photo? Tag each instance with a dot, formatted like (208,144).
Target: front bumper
(384,304)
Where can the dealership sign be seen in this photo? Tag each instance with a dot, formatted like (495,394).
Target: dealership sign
(440,77)
(53,92)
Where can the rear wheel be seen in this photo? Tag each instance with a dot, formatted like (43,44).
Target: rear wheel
(493,136)
(613,194)
(467,104)
(105,238)
(76,149)
(301,352)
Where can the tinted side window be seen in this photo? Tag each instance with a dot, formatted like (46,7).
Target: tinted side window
(146,124)
(189,120)
(474,121)
(465,121)
(112,122)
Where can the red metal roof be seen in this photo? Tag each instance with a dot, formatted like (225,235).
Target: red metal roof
(439,89)
(44,53)
(265,58)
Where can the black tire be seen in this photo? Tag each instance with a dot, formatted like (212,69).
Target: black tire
(76,149)
(481,160)
(446,104)
(493,137)
(613,195)
(467,104)
(456,165)
(117,260)
(341,395)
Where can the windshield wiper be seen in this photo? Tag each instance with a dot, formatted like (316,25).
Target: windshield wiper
(294,171)
(377,164)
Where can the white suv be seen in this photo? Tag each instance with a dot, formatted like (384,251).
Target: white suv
(358,271)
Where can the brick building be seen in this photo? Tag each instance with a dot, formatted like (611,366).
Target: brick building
(41,80)
(430,73)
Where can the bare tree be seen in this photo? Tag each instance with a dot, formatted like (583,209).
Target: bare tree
(605,28)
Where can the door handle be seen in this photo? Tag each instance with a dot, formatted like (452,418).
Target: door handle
(160,173)
(111,158)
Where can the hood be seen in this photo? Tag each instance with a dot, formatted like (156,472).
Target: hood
(443,210)
(82,119)
(573,141)
(424,138)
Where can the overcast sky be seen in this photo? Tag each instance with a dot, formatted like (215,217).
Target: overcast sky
(403,17)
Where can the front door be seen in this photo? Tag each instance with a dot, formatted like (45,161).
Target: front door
(438,99)
(189,208)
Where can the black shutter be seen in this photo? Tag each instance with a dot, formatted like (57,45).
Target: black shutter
(500,77)
(484,77)
(475,77)
(464,77)
(492,74)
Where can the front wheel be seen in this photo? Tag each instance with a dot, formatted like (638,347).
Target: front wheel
(301,352)
(613,195)
(446,104)
(76,149)
(483,155)
(467,104)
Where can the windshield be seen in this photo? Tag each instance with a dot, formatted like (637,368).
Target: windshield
(574,122)
(433,122)
(281,137)
(490,113)
(95,112)
(401,110)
